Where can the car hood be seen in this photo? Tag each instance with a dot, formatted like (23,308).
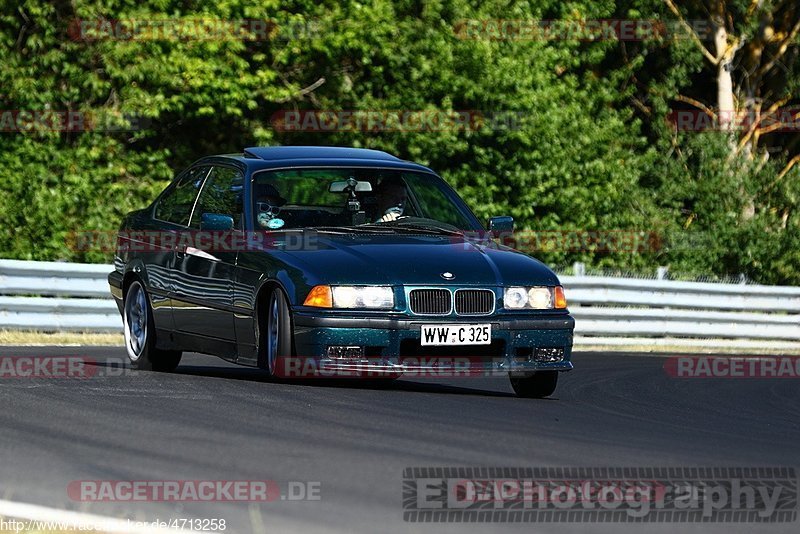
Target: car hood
(418,260)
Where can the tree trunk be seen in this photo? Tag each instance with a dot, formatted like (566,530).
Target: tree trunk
(724,53)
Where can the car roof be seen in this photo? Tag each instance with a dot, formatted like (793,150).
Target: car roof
(273,157)
(313,152)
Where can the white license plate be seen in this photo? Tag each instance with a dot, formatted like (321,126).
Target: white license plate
(456,334)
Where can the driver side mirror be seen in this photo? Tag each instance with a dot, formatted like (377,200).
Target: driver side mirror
(501,225)
(216,221)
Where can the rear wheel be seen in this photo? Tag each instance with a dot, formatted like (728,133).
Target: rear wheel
(537,385)
(274,334)
(140,339)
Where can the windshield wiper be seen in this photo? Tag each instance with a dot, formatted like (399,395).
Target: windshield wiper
(390,227)
(363,229)
(418,225)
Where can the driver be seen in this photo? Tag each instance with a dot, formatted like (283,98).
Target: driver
(391,199)
(268,205)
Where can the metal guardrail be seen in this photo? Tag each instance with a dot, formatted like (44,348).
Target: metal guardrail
(749,316)
(52,296)
(49,296)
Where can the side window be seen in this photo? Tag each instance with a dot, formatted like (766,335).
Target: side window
(177,203)
(222,195)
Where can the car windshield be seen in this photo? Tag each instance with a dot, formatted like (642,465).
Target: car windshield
(362,199)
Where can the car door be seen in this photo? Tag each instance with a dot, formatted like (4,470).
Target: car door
(205,262)
(170,218)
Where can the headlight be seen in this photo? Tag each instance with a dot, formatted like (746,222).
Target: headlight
(540,298)
(515,297)
(373,297)
(381,297)
(345,297)
(534,298)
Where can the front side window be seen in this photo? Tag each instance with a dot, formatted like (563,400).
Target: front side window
(302,198)
(221,195)
(176,204)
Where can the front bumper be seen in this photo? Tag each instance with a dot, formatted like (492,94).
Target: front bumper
(523,344)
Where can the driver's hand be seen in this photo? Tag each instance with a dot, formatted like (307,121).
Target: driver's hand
(389,217)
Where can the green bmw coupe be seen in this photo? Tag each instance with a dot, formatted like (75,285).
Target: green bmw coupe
(328,261)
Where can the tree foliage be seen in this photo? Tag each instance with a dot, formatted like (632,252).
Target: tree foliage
(586,144)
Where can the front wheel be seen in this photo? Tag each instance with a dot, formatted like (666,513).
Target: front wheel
(536,386)
(140,339)
(275,335)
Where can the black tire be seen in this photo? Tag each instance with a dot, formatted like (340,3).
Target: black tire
(140,333)
(535,386)
(274,335)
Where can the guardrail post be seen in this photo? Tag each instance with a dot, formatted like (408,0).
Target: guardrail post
(578,269)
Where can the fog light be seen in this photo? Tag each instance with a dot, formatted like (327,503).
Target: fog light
(523,355)
(549,355)
(345,352)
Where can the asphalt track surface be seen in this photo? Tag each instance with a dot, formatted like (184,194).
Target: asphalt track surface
(215,421)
